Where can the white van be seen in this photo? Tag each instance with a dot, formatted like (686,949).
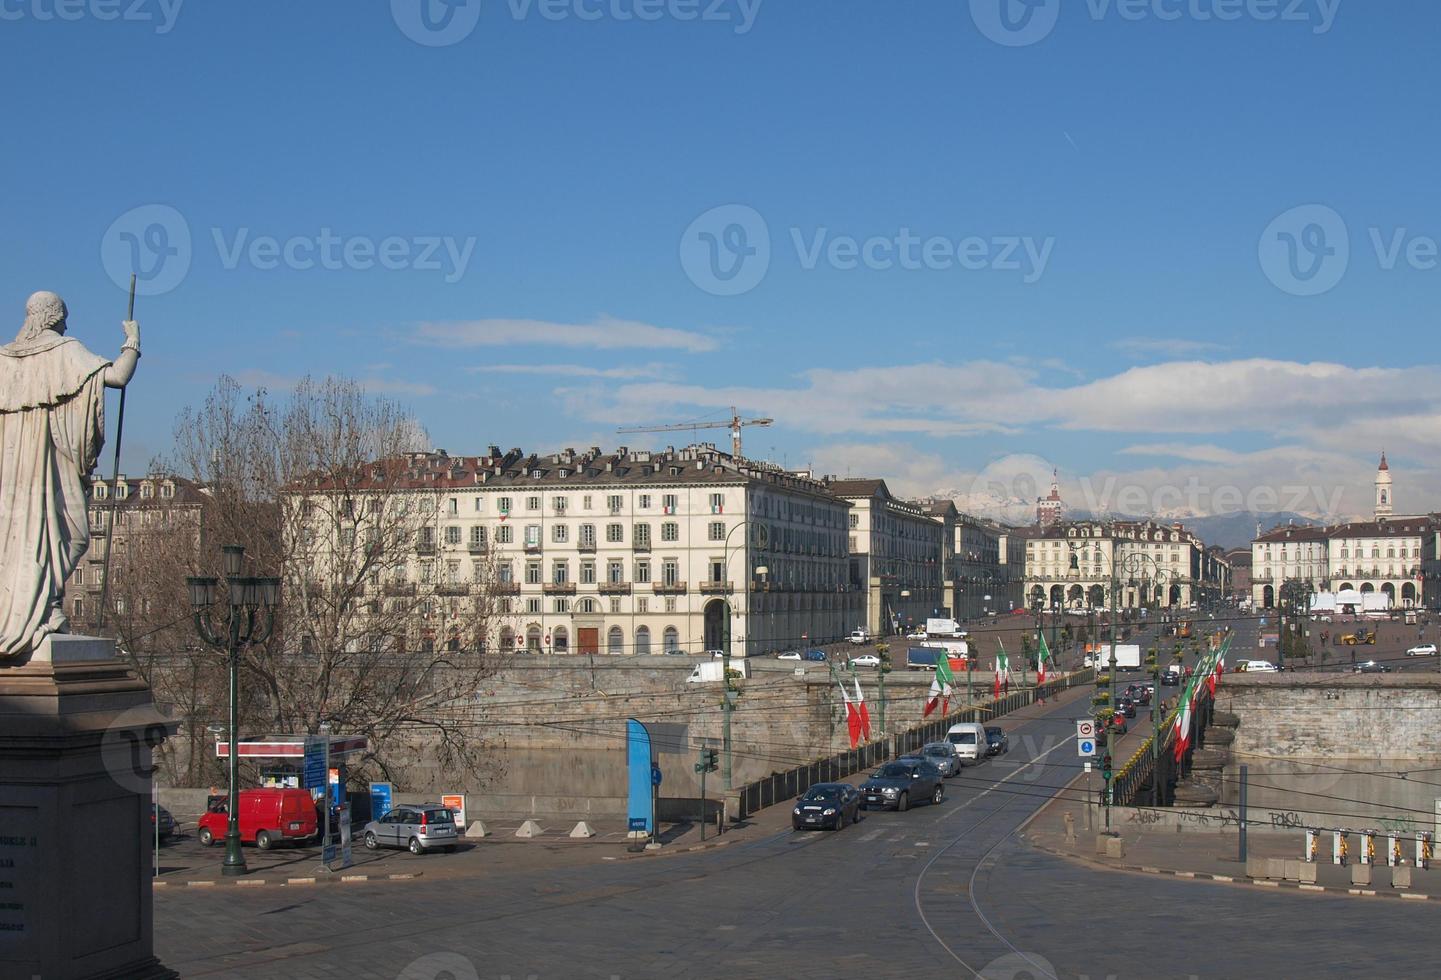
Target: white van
(968,739)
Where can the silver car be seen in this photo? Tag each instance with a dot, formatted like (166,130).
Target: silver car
(420,827)
(942,755)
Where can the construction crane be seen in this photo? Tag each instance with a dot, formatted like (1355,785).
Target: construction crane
(735,423)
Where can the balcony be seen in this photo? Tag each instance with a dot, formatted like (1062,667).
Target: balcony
(478,548)
(669,588)
(532,547)
(586,546)
(560,588)
(425,547)
(715,588)
(641,546)
(615,588)
(505,588)
(453,589)
(399,588)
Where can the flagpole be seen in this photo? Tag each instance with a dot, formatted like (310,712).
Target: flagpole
(114,481)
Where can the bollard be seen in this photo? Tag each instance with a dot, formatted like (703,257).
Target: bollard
(1338,847)
(1423,849)
(1312,845)
(1070,828)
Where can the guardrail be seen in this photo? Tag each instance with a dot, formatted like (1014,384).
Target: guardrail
(1136,772)
(787,785)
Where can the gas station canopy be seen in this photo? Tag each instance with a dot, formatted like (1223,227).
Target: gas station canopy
(290,747)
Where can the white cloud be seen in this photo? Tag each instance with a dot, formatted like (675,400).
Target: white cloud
(606,333)
(576,370)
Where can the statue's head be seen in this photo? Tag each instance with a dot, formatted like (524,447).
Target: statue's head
(43,311)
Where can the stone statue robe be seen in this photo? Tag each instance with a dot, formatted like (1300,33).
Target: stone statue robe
(52,426)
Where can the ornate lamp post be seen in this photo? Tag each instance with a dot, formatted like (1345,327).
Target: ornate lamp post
(249,619)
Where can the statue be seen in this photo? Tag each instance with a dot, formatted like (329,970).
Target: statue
(52,427)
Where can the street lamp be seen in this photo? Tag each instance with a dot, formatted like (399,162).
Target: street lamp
(249,619)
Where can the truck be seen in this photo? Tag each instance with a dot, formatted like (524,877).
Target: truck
(944,627)
(713,671)
(924,658)
(1128,656)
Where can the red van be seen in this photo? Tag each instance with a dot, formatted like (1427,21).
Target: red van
(267,817)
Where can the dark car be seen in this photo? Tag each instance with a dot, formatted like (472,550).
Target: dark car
(1118,725)
(1127,707)
(896,785)
(997,741)
(816,656)
(1371,667)
(1171,678)
(826,806)
(162,823)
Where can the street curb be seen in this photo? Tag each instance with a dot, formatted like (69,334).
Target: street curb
(690,849)
(281,882)
(1229,879)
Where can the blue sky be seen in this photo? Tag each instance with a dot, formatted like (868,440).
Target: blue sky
(1123,192)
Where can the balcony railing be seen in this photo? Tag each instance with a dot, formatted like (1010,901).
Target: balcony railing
(641,546)
(615,588)
(425,547)
(532,547)
(399,588)
(715,588)
(478,547)
(506,588)
(560,588)
(669,588)
(453,588)
(586,546)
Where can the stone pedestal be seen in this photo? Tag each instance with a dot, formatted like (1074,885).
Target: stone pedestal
(77,728)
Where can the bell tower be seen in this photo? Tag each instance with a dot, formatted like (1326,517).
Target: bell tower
(1383,489)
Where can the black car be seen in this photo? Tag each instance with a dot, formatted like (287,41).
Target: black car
(1171,678)
(826,806)
(897,785)
(1126,707)
(1371,667)
(997,741)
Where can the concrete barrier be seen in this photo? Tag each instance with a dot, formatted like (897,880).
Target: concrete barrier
(1401,876)
(530,829)
(1292,870)
(1255,867)
(1361,874)
(1276,869)
(1308,873)
(582,829)
(477,829)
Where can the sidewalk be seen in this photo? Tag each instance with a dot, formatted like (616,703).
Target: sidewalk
(1274,858)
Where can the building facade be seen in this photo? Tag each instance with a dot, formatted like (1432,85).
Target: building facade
(630,552)
(896,552)
(1071,565)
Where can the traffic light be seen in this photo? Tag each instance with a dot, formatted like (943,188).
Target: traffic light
(707,761)
(1106,767)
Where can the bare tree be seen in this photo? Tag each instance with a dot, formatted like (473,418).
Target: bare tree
(377,633)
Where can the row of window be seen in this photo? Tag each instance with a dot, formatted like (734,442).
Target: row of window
(615,503)
(101,491)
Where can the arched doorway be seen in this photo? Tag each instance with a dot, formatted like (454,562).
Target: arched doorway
(615,641)
(1268,597)
(1038,596)
(560,640)
(1175,599)
(715,620)
(1097,598)
(1075,597)
(1058,596)
(642,641)
(1408,594)
(1389,590)
(670,640)
(507,639)
(1367,588)
(532,639)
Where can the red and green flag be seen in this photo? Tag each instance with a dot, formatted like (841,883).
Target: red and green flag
(1042,659)
(940,693)
(1003,668)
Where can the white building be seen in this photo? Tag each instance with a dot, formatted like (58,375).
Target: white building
(896,551)
(1070,565)
(634,551)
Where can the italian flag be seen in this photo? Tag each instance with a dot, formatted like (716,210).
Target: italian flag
(940,694)
(865,714)
(1003,668)
(1183,717)
(853,716)
(1041,659)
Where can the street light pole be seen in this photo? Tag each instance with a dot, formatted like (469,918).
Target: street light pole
(250,620)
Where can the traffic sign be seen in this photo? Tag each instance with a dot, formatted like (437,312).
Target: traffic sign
(315,761)
(1085,747)
(1085,728)
(655,775)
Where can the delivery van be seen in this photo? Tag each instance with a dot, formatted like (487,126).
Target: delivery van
(968,739)
(267,817)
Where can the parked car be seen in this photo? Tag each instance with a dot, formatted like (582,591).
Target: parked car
(859,637)
(1257,666)
(677,652)
(1371,667)
(968,738)
(716,654)
(421,827)
(267,817)
(1422,650)
(997,741)
(789,655)
(826,805)
(161,822)
(816,656)
(897,785)
(867,660)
